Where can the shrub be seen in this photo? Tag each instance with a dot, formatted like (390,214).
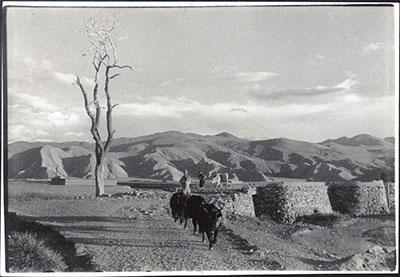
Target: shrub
(27,253)
(323,219)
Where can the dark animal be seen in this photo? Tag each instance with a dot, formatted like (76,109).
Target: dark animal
(192,207)
(209,218)
(177,204)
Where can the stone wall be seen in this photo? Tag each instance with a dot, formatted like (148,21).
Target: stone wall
(240,202)
(358,199)
(392,197)
(285,202)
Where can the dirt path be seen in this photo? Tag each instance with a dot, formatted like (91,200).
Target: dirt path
(135,232)
(147,239)
(140,235)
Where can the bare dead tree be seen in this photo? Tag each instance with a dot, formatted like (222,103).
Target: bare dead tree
(105,62)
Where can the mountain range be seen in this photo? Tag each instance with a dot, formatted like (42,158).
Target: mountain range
(164,156)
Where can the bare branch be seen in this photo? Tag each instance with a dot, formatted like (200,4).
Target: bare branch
(112,27)
(115,75)
(121,66)
(113,48)
(85,99)
(101,60)
(93,130)
(98,113)
(113,106)
(110,130)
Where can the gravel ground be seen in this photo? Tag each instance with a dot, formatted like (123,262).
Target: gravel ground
(132,230)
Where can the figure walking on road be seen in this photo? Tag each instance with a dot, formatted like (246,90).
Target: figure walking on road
(202,179)
(185,183)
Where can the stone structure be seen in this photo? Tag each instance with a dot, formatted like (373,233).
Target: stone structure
(358,199)
(57,181)
(240,202)
(392,197)
(285,202)
(72,181)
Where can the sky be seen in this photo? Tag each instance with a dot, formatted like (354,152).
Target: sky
(304,73)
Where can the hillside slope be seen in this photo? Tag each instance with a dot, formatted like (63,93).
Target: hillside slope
(164,156)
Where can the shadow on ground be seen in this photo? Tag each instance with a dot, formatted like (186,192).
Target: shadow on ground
(54,239)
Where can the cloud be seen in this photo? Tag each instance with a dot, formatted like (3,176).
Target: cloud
(70,79)
(347,84)
(30,72)
(221,76)
(61,119)
(160,106)
(375,47)
(307,94)
(295,93)
(64,78)
(35,118)
(23,133)
(238,110)
(254,76)
(32,125)
(32,102)
(352,98)
(225,69)
(173,82)
(20,132)
(27,72)
(35,64)
(183,108)
(86,81)
(256,87)
(74,134)
(350,74)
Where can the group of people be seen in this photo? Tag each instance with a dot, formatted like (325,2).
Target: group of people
(185,182)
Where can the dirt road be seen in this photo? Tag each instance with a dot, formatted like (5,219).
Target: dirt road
(135,232)
(140,235)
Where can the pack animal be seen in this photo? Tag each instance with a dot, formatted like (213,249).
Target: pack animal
(177,204)
(192,207)
(209,218)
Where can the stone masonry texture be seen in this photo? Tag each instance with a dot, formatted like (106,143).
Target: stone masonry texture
(285,202)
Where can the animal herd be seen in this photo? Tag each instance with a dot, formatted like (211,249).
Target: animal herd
(206,216)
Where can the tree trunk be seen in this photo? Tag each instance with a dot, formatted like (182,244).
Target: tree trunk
(99,181)
(104,57)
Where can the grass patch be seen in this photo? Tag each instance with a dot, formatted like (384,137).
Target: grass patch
(42,241)
(27,253)
(32,196)
(322,219)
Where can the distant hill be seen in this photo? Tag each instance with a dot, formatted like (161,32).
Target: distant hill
(390,139)
(359,140)
(164,156)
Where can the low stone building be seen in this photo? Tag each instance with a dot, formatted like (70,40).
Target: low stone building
(79,182)
(285,202)
(359,198)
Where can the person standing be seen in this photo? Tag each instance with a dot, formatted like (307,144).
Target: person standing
(202,179)
(185,183)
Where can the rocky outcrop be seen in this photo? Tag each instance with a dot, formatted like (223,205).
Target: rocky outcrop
(376,258)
